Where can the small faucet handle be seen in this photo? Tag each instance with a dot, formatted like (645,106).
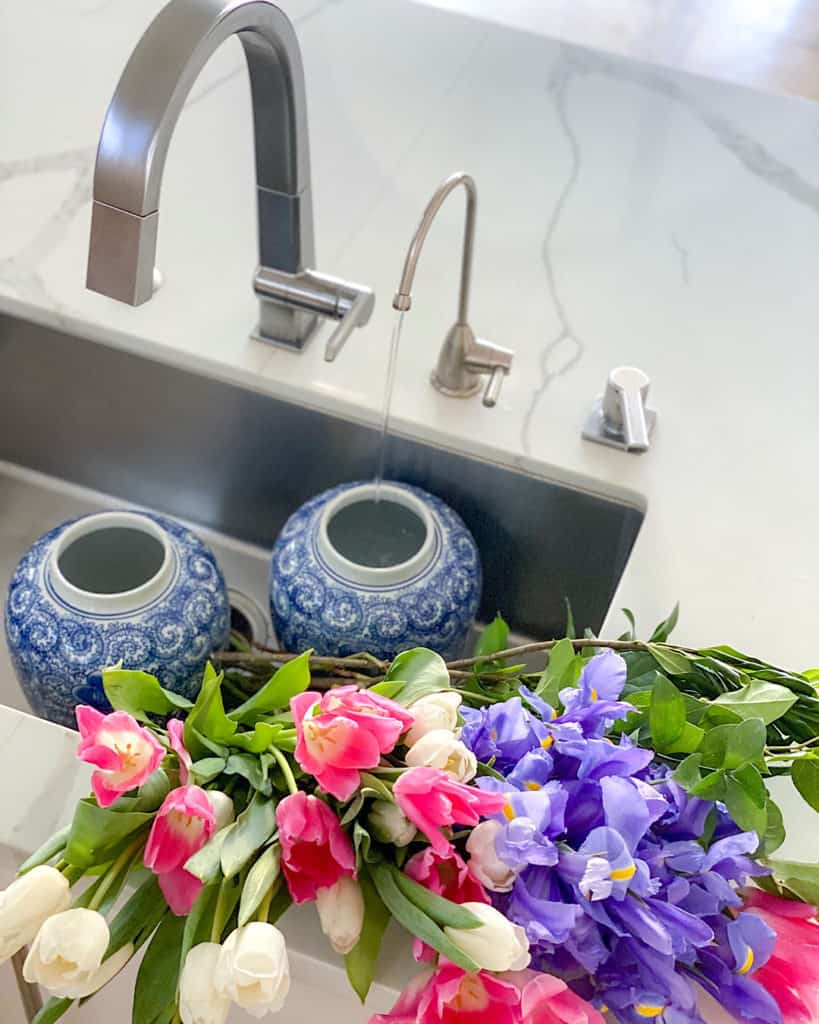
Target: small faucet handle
(358,313)
(621,418)
(493,386)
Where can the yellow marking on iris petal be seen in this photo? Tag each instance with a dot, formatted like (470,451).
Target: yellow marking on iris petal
(648,1009)
(547,742)
(593,694)
(749,962)
(494,734)
(554,714)
(604,1008)
(624,874)
(509,811)
(534,786)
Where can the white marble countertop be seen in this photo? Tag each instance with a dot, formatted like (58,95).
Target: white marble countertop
(626,215)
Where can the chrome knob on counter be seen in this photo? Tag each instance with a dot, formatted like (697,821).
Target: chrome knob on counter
(463,359)
(620,418)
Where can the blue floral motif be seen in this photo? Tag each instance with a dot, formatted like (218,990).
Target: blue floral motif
(58,650)
(312,606)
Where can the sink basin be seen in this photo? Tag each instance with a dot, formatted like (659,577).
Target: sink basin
(238,463)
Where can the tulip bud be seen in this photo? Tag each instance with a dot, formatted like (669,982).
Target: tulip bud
(66,955)
(484,862)
(253,969)
(439,749)
(435,711)
(199,1000)
(27,903)
(341,912)
(389,825)
(222,808)
(496,945)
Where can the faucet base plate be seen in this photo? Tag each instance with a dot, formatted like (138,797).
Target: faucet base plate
(595,429)
(467,391)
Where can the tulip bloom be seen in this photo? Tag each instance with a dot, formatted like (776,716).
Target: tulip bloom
(447,876)
(496,945)
(183,824)
(484,862)
(440,749)
(27,903)
(125,753)
(431,799)
(548,1000)
(253,969)
(341,912)
(389,825)
(176,730)
(435,711)
(315,850)
(200,1002)
(344,731)
(791,974)
(66,956)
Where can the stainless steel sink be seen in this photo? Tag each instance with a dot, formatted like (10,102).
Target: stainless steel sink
(238,463)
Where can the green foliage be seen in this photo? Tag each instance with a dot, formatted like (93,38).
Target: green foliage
(795,879)
(666,715)
(805,774)
(260,879)
(52,1011)
(253,827)
(493,638)
(207,717)
(288,681)
(96,832)
(49,849)
(155,989)
(442,911)
(562,670)
(421,671)
(361,961)
(759,699)
(138,917)
(140,694)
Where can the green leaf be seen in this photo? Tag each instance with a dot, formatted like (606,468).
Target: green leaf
(52,1010)
(257,741)
(746,798)
(259,881)
(559,672)
(759,699)
(140,694)
(155,988)
(666,714)
(138,917)
(422,671)
(280,904)
(255,769)
(799,878)
(570,627)
(774,831)
(687,773)
(416,921)
(96,830)
(148,797)
(208,716)
(731,746)
(675,663)
(631,632)
(197,922)
(666,627)
(493,638)
(442,911)
(805,775)
(380,790)
(288,681)
(389,689)
(206,863)
(207,769)
(50,848)
(710,787)
(689,740)
(361,962)
(254,826)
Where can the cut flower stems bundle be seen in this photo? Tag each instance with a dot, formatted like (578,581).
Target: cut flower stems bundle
(596,838)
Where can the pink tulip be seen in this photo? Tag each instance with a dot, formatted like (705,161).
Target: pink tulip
(448,876)
(431,799)
(344,731)
(183,824)
(791,974)
(451,996)
(125,753)
(545,999)
(315,850)
(176,731)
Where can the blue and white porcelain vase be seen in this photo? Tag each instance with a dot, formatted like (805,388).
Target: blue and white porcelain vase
(113,587)
(351,574)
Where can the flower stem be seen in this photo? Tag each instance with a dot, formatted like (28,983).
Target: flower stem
(263,912)
(220,914)
(287,771)
(113,873)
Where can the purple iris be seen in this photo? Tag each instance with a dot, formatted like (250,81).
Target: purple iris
(593,704)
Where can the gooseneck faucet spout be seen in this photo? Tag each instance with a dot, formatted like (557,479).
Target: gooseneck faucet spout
(463,358)
(134,144)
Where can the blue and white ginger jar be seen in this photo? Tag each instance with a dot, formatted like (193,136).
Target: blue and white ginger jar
(321,599)
(113,587)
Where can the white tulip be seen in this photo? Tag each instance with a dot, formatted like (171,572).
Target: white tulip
(389,825)
(199,1000)
(435,711)
(222,808)
(440,749)
(253,969)
(484,862)
(341,912)
(496,945)
(27,903)
(66,955)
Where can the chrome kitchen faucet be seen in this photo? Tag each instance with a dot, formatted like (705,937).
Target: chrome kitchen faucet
(134,144)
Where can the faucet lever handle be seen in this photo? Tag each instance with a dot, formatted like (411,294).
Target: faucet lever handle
(358,312)
(493,386)
(624,406)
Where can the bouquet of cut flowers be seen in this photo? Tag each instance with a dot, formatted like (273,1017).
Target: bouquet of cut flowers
(593,839)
